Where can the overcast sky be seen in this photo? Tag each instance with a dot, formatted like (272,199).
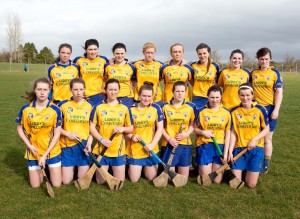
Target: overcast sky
(223,24)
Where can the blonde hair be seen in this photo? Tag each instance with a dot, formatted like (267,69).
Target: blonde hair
(176,44)
(149,45)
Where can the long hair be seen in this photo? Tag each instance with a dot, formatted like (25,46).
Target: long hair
(30,95)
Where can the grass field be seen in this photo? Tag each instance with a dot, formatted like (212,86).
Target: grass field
(276,196)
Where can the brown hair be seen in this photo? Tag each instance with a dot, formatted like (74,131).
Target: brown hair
(176,44)
(179,83)
(31,96)
(77,80)
(236,51)
(205,46)
(214,88)
(246,86)
(262,52)
(111,81)
(63,46)
(146,86)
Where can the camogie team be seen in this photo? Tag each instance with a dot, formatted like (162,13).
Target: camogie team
(120,104)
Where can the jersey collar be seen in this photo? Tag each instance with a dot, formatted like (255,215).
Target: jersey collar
(34,103)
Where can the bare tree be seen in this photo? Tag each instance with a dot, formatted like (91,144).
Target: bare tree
(289,62)
(14,36)
(216,56)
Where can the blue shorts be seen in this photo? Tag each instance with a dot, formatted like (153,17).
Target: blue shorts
(250,161)
(127,101)
(162,152)
(148,161)
(54,161)
(74,156)
(272,122)
(182,157)
(96,99)
(207,153)
(200,101)
(113,161)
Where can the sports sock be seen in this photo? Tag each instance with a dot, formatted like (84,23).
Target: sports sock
(267,161)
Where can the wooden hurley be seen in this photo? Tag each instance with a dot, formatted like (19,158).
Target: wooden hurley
(85,181)
(206,180)
(177,179)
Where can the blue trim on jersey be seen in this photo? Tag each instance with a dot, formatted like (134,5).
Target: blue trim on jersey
(279,82)
(133,76)
(264,111)
(104,57)
(162,69)
(76,59)
(58,112)
(18,119)
(160,114)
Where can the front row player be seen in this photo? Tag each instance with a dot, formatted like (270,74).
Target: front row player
(75,127)
(148,126)
(213,121)
(39,126)
(178,126)
(249,127)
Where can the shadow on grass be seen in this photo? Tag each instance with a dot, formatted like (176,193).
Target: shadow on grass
(14,160)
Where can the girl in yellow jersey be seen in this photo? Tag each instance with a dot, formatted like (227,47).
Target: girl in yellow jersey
(75,127)
(61,73)
(148,70)
(213,121)
(124,72)
(91,71)
(109,117)
(249,127)
(231,78)
(205,75)
(268,91)
(39,126)
(178,126)
(148,126)
(174,71)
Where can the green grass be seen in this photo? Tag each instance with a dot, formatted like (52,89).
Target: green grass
(276,196)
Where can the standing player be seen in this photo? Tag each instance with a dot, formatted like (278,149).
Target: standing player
(213,121)
(111,116)
(75,127)
(179,114)
(122,71)
(268,91)
(91,71)
(61,73)
(249,127)
(39,126)
(231,78)
(148,70)
(205,75)
(148,126)
(173,71)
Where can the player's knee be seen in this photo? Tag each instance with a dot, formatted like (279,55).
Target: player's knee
(252,185)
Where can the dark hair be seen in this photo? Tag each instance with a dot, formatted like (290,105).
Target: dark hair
(246,86)
(91,42)
(119,46)
(146,86)
(179,83)
(64,45)
(236,51)
(214,88)
(77,80)
(205,46)
(31,96)
(262,52)
(111,81)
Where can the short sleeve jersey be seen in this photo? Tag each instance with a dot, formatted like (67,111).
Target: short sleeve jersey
(40,124)
(203,80)
(107,117)
(170,74)
(144,121)
(265,84)
(91,71)
(248,123)
(75,118)
(148,71)
(218,121)
(175,117)
(230,80)
(124,74)
(60,77)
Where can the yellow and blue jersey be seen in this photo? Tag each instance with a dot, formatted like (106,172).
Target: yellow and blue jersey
(230,80)
(203,80)
(40,124)
(218,121)
(148,71)
(144,122)
(265,84)
(124,74)
(107,117)
(60,77)
(91,71)
(75,118)
(248,123)
(170,74)
(175,117)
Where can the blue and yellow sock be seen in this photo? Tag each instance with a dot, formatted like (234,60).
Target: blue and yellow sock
(267,161)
